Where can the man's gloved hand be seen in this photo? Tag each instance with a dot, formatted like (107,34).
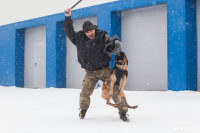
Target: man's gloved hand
(68,12)
(114,47)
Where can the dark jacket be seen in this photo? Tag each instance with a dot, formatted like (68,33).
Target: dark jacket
(90,53)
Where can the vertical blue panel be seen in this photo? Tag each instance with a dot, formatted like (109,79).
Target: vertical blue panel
(51,54)
(116,24)
(191,44)
(110,22)
(7,56)
(19,62)
(176,45)
(60,56)
(115,30)
(104,22)
(180,72)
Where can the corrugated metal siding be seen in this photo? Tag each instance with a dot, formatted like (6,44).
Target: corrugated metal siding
(35,57)
(144,35)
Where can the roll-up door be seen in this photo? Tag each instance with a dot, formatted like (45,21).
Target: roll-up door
(144,35)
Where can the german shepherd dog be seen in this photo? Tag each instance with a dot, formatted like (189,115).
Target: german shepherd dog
(118,76)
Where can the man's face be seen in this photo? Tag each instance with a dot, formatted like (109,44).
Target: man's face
(90,34)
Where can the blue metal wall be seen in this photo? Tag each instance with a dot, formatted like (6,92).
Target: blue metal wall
(182,45)
(7,55)
(182,55)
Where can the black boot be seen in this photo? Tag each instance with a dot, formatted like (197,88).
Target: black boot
(123,117)
(82,113)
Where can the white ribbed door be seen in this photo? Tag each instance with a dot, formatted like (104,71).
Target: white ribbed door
(35,57)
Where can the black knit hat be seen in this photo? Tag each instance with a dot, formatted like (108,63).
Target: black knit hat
(88,26)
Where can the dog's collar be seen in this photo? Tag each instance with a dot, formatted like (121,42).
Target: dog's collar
(121,63)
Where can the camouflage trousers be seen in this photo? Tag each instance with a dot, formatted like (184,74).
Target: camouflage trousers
(89,83)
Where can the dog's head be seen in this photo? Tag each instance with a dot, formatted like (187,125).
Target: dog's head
(121,59)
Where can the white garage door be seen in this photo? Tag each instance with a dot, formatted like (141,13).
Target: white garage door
(144,34)
(198,41)
(74,72)
(35,57)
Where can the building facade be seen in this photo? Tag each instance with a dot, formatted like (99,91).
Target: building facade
(160,37)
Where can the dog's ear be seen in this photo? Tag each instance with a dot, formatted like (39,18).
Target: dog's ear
(123,55)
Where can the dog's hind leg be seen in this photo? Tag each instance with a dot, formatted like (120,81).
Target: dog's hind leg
(104,95)
(111,104)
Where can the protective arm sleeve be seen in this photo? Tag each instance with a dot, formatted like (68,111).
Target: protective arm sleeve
(113,45)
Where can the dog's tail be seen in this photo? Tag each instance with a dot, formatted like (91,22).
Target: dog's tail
(129,106)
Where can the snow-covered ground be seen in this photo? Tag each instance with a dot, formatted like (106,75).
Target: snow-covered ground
(52,110)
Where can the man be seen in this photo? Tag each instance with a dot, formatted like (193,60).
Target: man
(91,43)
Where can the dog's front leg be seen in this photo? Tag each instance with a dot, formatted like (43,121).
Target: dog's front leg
(112,81)
(122,85)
